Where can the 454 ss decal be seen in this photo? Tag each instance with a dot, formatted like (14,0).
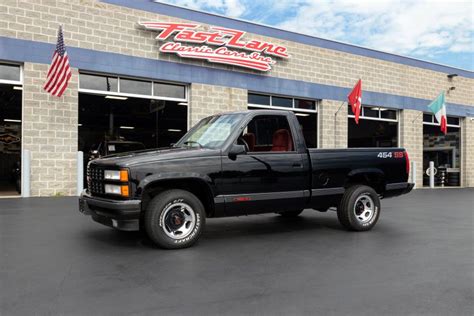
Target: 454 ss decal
(389,154)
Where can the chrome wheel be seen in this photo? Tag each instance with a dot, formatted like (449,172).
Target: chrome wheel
(179,220)
(364,208)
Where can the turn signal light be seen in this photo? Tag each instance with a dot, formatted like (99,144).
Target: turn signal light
(124,191)
(123,175)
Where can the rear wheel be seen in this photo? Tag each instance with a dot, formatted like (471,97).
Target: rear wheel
(290,214)
(359,208)
(174,219)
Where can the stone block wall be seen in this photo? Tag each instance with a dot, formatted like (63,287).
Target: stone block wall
(50,133)
(206,100)
(96,25)
(467,152)
(411,137)
(332,125)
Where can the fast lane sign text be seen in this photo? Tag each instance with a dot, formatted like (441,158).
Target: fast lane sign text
(259,56)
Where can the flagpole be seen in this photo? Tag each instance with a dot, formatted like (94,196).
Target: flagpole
(416,117)
(335,121)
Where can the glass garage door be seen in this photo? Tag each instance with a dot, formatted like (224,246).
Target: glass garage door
(10,129)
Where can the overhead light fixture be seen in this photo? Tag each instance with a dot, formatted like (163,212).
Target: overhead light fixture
(79,124)
(301,114)
(17,88)
(127,127)
(451,76)
(182,103)
(114,97)
(12,120)
(174,130)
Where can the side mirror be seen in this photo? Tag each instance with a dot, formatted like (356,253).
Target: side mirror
(236,150)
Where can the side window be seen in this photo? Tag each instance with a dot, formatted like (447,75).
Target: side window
(268,133)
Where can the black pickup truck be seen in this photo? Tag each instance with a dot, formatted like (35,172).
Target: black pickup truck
(234,164)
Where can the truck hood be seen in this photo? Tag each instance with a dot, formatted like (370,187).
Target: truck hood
(149,156)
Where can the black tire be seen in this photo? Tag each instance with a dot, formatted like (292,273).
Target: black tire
(290,214)
(162,217)
(350,213)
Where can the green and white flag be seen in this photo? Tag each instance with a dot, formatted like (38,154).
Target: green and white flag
(438,107)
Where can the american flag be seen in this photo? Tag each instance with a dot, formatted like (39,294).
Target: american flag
(59,72)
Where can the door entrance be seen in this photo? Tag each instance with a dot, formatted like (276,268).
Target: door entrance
(10,140)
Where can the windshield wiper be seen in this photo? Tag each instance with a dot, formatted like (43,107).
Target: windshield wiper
(188,142)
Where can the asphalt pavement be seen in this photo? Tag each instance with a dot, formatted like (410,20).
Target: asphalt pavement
(417,260)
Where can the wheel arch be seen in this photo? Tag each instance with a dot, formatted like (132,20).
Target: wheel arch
(198,186)
(372,177)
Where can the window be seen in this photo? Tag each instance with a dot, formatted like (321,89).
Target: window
(255,99)
(430,119)
(305,104)
(169,90)
(268,133)
(102,83)
(283,102)
(374,113)
(259,99)
(10,73)
(113,85)
(135,86)
(304,109)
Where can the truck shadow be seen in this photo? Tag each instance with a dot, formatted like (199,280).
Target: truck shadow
(268,225)
(233,228)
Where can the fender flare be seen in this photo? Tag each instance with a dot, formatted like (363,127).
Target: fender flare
(179,176)
(364,172)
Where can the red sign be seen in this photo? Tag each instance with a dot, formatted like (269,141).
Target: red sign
(253,54)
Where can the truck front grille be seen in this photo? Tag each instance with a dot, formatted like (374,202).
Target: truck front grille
(95,177)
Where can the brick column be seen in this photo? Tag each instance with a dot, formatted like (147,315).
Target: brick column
(467,152)
(332,128)
(206,100)
(50,133)
(411,137)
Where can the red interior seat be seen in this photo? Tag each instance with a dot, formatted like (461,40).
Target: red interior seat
(282,140)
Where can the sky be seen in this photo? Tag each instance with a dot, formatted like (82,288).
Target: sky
(437,31)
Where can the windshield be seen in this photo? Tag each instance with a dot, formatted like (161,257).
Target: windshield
(211,132)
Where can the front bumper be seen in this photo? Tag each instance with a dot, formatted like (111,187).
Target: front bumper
(122,215)
(396,189)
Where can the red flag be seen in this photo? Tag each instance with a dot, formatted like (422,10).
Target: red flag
(59,72)
(355,100)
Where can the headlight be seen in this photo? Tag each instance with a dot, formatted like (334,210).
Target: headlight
(117,189)
(121,175)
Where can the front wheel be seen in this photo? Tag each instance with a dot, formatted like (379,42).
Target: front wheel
(359,208)
(174,219)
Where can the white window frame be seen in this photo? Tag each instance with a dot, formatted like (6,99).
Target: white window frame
(433,123)
(379,118)
(293,108)
(13,82)
(132,95)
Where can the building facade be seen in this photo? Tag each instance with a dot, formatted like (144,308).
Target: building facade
(145,72)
